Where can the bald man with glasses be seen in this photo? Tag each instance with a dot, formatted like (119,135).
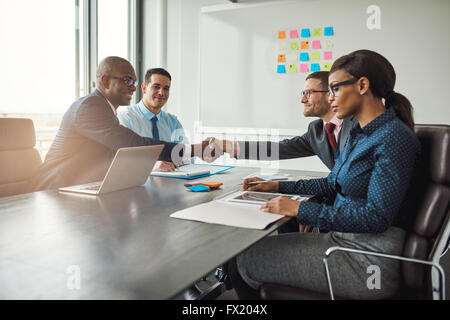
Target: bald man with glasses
(90,133)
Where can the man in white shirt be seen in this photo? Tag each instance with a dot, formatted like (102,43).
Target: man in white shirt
(147,117)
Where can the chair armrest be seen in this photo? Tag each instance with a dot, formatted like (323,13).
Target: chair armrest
(331,250)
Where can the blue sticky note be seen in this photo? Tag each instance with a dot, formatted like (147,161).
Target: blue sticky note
(315,67)
(198,188)
(304,56)
(328,31)
(281,68)
(306,33)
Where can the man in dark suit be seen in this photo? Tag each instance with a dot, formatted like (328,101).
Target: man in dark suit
(325,138)
(90,133)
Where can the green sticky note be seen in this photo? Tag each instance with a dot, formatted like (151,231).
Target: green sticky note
(317,32)
(294,45)
(326,67)
(315,56)
(292,68)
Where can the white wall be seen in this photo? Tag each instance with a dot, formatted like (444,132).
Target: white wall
(428,92)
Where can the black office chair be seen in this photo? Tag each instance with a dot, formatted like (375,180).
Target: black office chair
(19,160)
(429,235)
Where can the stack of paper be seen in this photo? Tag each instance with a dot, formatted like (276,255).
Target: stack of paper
(234,215)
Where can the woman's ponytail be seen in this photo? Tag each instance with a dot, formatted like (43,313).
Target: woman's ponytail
(402,107)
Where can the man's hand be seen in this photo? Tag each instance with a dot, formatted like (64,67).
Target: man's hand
(282,205)
(211,149)
(266,186)
(227,146)
(164,166)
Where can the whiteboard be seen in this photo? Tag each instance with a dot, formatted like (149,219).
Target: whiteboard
(239,86)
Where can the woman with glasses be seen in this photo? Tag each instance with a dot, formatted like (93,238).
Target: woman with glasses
(369,183)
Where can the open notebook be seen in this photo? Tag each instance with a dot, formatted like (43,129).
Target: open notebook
(192,171)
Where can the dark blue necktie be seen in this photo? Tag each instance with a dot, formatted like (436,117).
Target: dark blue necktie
(155,131)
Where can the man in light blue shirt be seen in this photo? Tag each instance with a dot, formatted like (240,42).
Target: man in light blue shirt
(147,117)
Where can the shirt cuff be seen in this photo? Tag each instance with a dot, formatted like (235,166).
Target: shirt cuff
(308,214)
(286,187)
(187,154)
(236,149)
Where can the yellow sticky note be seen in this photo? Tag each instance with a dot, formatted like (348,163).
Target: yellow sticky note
(282,46)
(328,44)
(292,57)
(317,32)
(292,68)
(281,34)
(304,45)
(281,58)
(315,56)
(294,46)
(326,67)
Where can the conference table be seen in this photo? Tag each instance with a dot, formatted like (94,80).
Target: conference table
(120,245)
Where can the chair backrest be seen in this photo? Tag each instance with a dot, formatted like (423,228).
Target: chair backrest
(19,161)
(430,202)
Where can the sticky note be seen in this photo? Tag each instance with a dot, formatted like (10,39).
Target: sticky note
(317,32)
(305,33)
(198,188)
(281,68)
(281,34)
(315,56)
(294,45)
(326,67)
(328,31)
(316,44)
(327,55)
(328,44)
(292,68)
(315,67)
(281,58)
(304,56)
(304,67)
(282,46)
(291,57)
(294,34)
(304,45)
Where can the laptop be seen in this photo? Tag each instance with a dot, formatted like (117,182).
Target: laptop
(129,168)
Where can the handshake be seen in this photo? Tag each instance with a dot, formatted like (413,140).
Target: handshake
(208,150)
(212,148)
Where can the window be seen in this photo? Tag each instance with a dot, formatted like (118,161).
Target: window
(37,61)
(46,60)
(112,28)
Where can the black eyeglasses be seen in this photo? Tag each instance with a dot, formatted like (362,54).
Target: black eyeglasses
(127,80)
(307,93)
(334,88)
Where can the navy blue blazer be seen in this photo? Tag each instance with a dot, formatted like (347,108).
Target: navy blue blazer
(85,144)
(313,143)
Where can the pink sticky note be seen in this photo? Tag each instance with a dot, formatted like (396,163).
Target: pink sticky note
(304,67)
(294,34)
(316,44)
(327,55)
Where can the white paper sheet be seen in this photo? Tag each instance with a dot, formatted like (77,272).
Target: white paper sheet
(228,214)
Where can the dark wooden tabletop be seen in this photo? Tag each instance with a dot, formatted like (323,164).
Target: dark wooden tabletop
(121,245)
